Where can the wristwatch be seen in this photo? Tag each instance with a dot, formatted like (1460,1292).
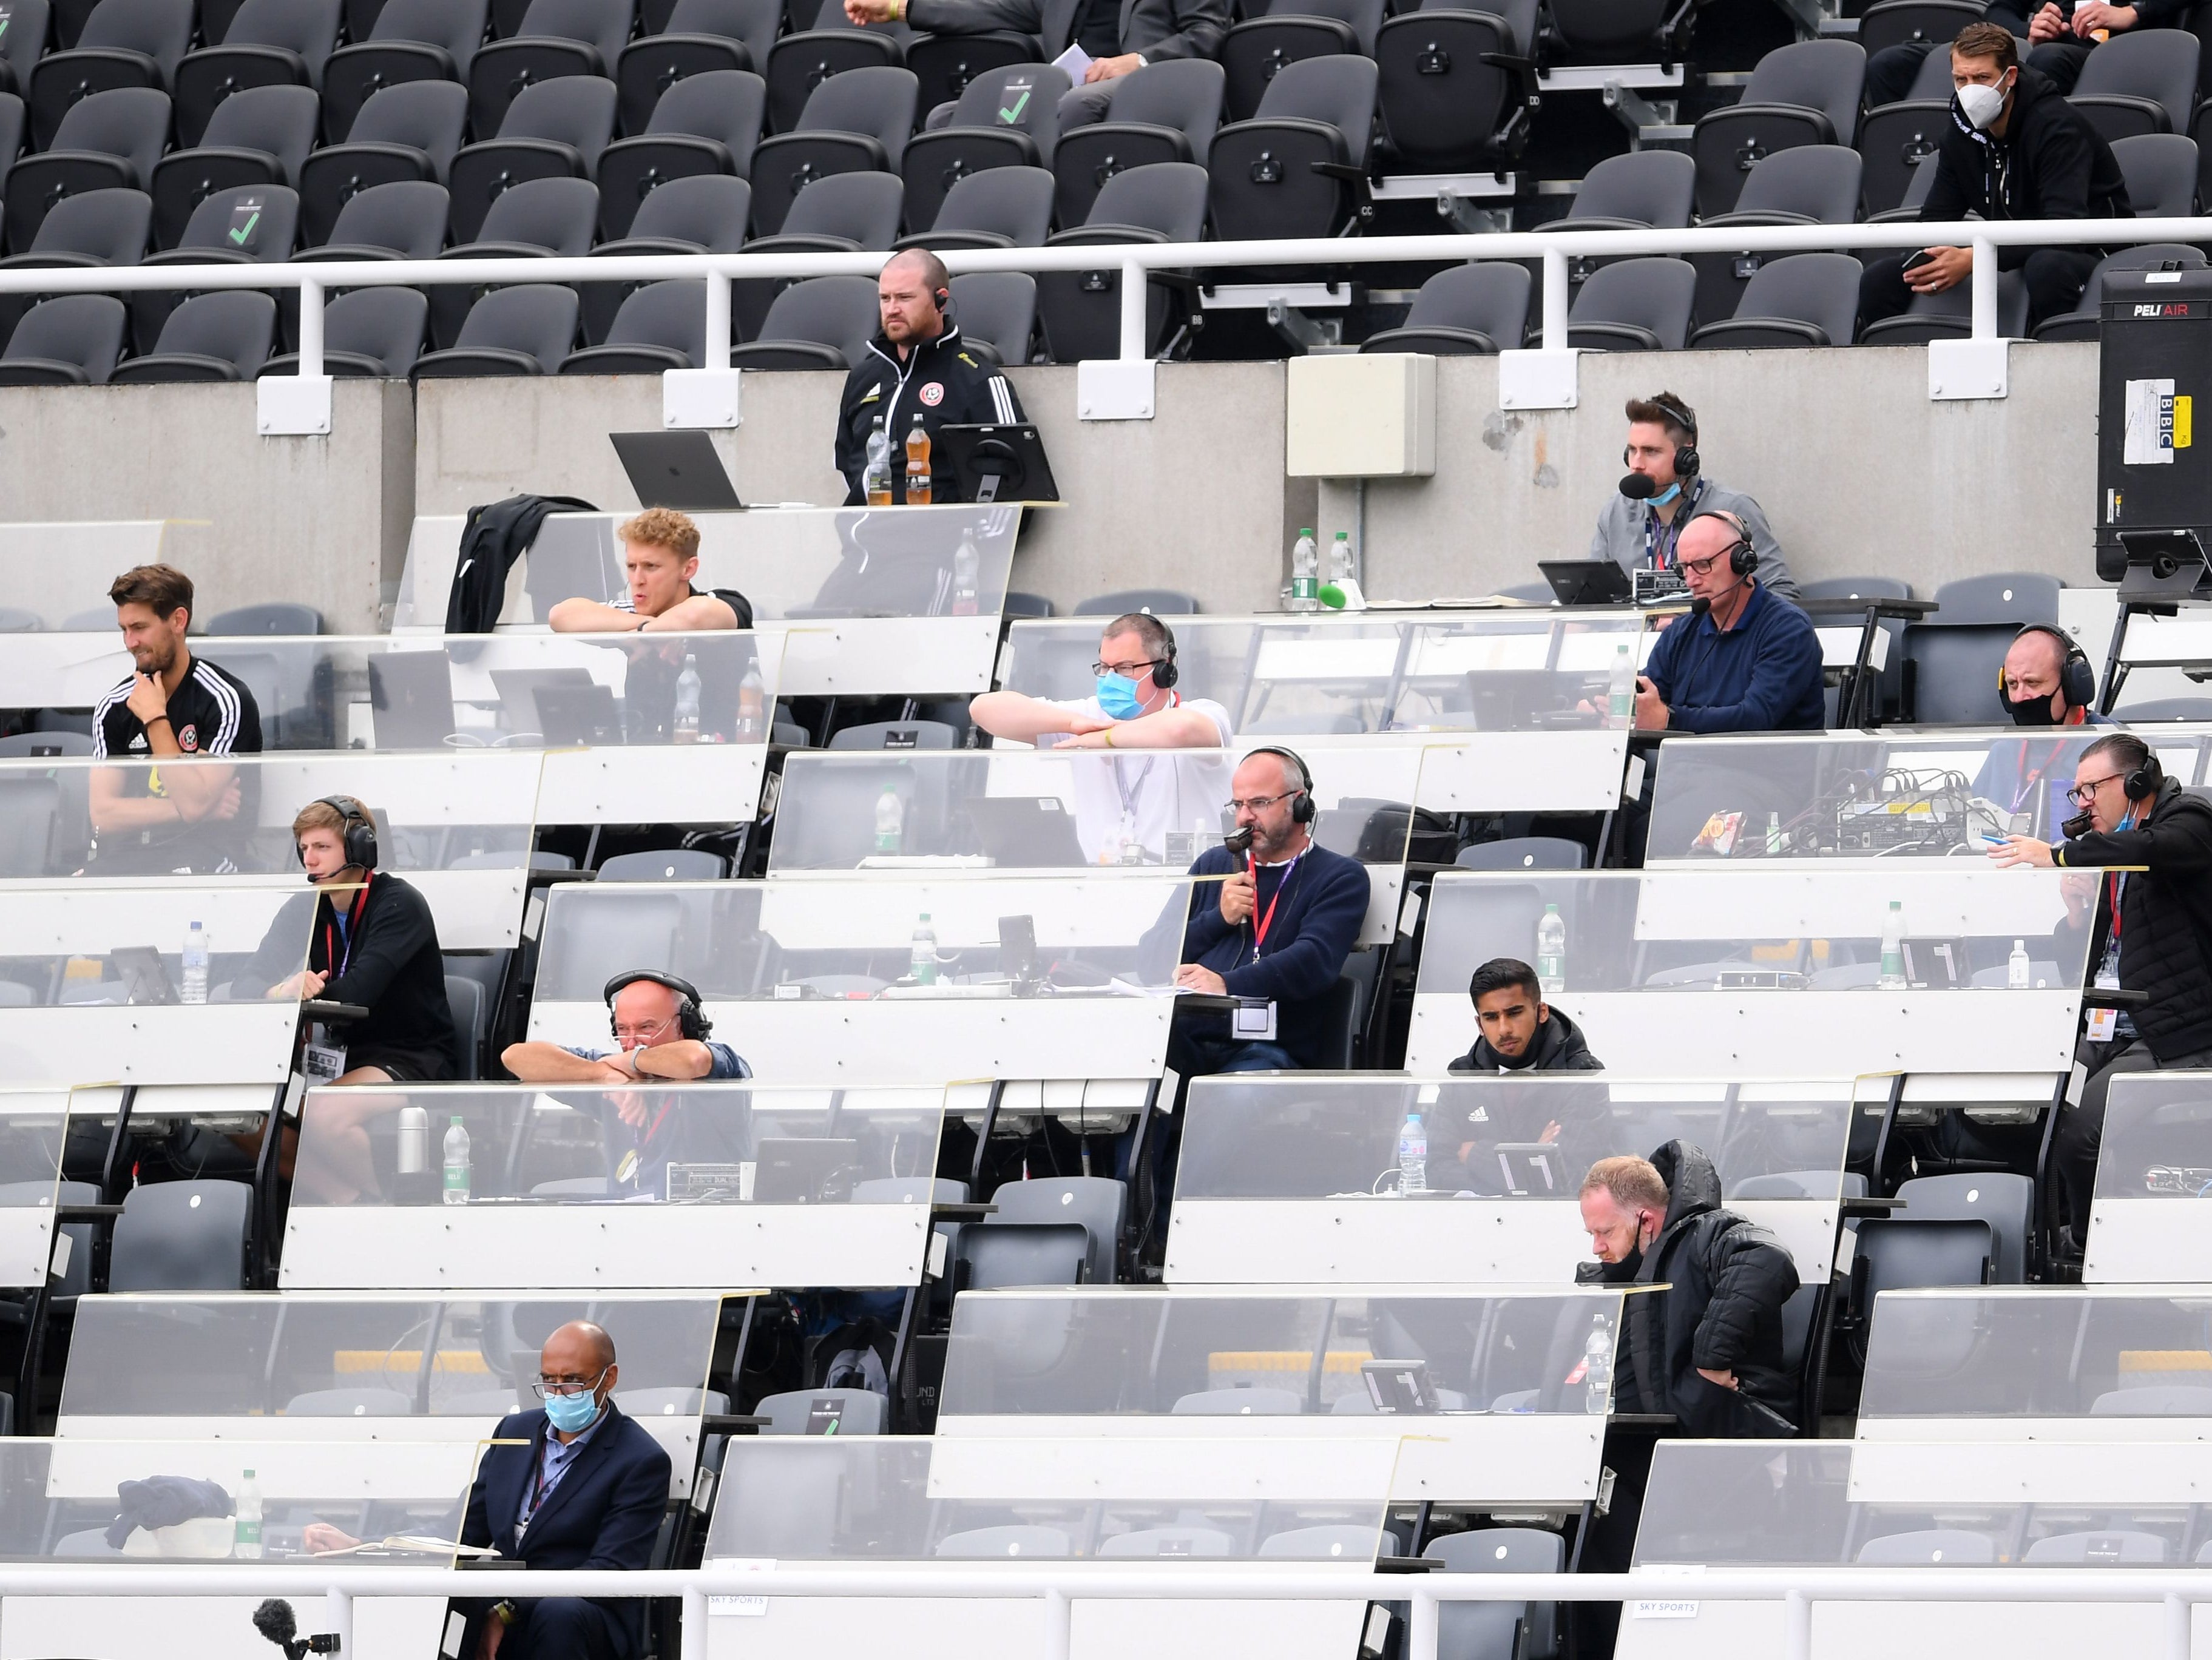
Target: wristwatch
(506,1612)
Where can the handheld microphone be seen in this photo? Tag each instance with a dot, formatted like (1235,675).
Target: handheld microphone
(1638,486)
(2080,825)
(1239,841)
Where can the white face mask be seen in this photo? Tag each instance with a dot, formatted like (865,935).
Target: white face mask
(1981,105)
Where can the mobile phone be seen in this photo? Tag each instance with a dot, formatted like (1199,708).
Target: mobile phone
(1913,262)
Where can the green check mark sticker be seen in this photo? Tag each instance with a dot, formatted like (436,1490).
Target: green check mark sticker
(1015,114)
(243,232)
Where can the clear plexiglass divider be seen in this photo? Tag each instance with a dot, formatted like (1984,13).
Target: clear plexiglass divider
(2150,1218)
(32,1123)
(694,1186)
(1293,1177)
(60,572)
(458,826)
(889,979)
(95,989)
(1972,971)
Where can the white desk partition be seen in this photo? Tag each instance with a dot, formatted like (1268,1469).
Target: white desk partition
(61,571)
(2151,1212)
(812,980)
(33,1121)
(1292,1178)
(1773,972)
(692,1187)
(1511,1421)
(856,1504)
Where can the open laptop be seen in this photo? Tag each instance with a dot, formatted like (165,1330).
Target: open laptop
(410,696)
(792,1170)
(517,690)
(998,464)
(146,983)
(1587,581)
(677,469)
(1026,832)
(578,714)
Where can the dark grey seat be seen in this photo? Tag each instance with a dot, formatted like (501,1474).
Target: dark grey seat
(465,1001)
(404,219)
(2014,597)
(276,618)
(1949,315)
(1489,1628)
(997,311)
(2085,321)
(21,42)
(556,39)
(1008,1540)
(1804,94)
(99,228)
(1914,22)
(709,122)
(707,212)
(22,745)
(857,1411)
(125,43)
(411,40)
(894,735)
(243,225)
(1646,189)
(181,1236)
(1241,1403)
(998,208)
(1162,201)
(1810,184)
(1162,113)
(376,333)
(525,330)
(1863,587)
(1096,1203)
(1298,168)
(1898,1253)
(845,213)
(854,122)
(224,335)
(977,135)
(554,130)
(539,218)
(410,131)
(2101,1549)
(702,36)
(1524,853)
(1160,602)
(2138,81)
(1043,1254)
(665,864)
(71,340)
(1805,299)
(2003,1200)
(260,136)
(1618,31)
(1893,139)
(661,326)
(1456,86)
(824,46)
(1947,1547)
(2160,168)
(1467,310)
(2131,714)
(110,139)
(823,322)
(1273,36)
(1178,1542)
(270,43)
(1635,306)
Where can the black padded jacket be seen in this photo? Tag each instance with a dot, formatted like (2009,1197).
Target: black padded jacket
(2165,917)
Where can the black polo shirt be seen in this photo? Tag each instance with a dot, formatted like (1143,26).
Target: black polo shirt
(211,713)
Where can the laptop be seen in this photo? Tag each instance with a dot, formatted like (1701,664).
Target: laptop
(1587,581)
(1026,832)
(998,464)
(817,1171)
(677,469)
(145,981)
(1938,961)
(410,696)
(518,691)
(1400,1386)
(1529,1170)
(579,714)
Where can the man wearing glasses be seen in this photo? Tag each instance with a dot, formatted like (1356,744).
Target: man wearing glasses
(659,1033)
(2149,929)
(1744,660)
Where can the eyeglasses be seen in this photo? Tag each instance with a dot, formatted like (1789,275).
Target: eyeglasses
(2082,794)
(1259,804)
(1699,567)
(1126,670)
(547,1388)
(643,1033)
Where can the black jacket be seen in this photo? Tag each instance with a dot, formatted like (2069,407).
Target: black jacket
(2165,917)
(1160,29)
(1726,1280)
(394,970)
(2051,164)
(494,537)
(1559,1048)
(941,381)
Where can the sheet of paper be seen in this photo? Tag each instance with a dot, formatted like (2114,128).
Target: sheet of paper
(1075,61)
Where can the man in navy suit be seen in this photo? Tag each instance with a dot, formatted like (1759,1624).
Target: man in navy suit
(586,1492)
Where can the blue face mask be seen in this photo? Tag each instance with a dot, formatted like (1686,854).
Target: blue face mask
(571,1412)
(1117,697)
(1667,495)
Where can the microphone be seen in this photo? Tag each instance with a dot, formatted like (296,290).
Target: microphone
(275,1621)
(2079,825)
(1638,486)
(1239,841)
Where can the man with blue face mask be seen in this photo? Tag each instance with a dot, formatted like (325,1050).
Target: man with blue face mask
(1664,487)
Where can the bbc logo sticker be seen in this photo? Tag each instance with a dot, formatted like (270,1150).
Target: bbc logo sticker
(2158,423)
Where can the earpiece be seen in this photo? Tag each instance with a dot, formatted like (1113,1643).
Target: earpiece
(690,1021)
(1164,672)
(2077,679)
(360,831)
(1302,810)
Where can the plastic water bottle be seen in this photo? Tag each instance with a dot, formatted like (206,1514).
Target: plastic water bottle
(917,464)
(457,1162)
(967,565)
(196,964)
(891,821)
(1620,689)
(877,479)
(1305,572)
(245,1533)
(1597,1368)
(1774,835)
(2017,968)
(923,957)
(1340,560)
(687,701)
(752,705)
(1892,949)
(1412,1155)
(414,1151)
(1551,952)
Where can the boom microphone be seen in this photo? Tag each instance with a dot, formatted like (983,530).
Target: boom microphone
(275,1621)
(1638,486)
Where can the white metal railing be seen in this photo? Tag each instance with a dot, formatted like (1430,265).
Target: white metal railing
(315,279)
(2177,1591)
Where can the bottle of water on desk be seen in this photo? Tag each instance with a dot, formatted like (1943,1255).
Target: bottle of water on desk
(1305,574)
(245,1533)
(2017,968)
(1552,953)
(1892,949)
(1412,1155)
(876,479)
(891,821)
(687,701)
(196,964)
(1597,1368)
(1620,689)
(457,1162)
(923,960)
(752,705)
(967,571)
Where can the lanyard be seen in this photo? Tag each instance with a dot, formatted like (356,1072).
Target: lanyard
(1689,506)
(2029,780)
(352,931)
(1260,926)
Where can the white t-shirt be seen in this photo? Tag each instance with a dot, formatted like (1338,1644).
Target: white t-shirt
(1146,793)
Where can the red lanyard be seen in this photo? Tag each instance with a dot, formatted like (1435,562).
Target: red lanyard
(2115,885)
(352,935)
(1260,928)
(2027,779)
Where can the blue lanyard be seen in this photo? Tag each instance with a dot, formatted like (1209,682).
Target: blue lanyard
(1689,500)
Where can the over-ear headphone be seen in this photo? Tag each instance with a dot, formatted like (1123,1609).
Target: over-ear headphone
(1686,458)
(1743,557)
(2147,780)
(360,831)
(2077,679)
(1302,810)
(690,1021)
(1164,672)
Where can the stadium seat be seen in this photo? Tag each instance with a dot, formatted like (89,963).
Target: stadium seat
(822,323)
(1635,306)
(1949,315)
(1273,36)
(1455,88)
(2154,1400)
(997,314)
(845,213)
(998,208)
(99,228)
(665,864)
(1183,1542)
(539,218)
(270,43)
(465,1001)
(703,36)
(894,735)
(403,220)
(554,129)
(1869,587)
(1041,1254)
(707,212)
(23,38)
(410,131)
(1164,202)
(1489,1628)
(411,40)
(1160,602)
(125,43)
(225,336)
(1914,22)
(661,326)
(557,39)
(1299,167)
(181,1236)
(1805,94)
(369,1403)
(855,122)
(14,620)
(1162,112)
(1094,1203)
(1007,117)
(1251,1403)
(258,137)
(2131,714)
(276,618)
(247,224)
(1523,853)
(1473,310)
(2098,1549)
(857,1411)
(1893,139)
(2004,1201)
(1805,299)
(708,123)
(945,65)
(2142,81)
(1620,31)
(1930,1546)
(1653,190)
(2085,321)
(1810,184)
(819,51)
(2160,168)
(1332,1540)
(373,332)
(2013,598)
(526,329)
(1012,1539)
(112,139)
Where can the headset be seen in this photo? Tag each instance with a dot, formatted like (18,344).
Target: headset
(360,831)
(1743,557)
(2077,679)
(2147,780)
(1302,810)
(690,1021)
(1686,458)
(1164,672)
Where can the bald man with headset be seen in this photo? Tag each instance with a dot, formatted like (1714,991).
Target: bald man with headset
(2046,681)
(659,1033)
(1744,660)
